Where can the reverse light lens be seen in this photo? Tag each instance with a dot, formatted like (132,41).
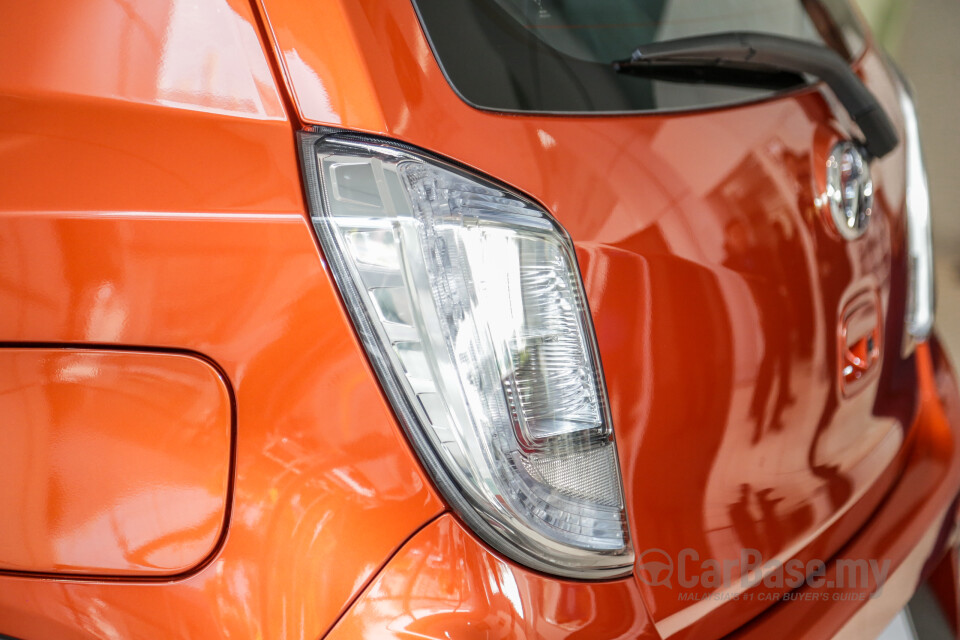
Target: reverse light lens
(920,283)
(469,302)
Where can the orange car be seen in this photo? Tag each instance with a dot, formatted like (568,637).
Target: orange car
(466,319)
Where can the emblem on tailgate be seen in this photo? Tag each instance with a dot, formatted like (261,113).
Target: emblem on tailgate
(849,189)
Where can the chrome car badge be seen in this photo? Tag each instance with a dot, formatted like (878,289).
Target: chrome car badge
(849,189)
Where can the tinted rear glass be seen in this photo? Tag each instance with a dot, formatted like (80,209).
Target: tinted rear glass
(555,56)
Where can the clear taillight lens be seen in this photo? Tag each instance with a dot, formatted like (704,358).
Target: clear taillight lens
(920,283)
(469,302)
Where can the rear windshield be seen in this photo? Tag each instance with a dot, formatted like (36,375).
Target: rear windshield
(554,56)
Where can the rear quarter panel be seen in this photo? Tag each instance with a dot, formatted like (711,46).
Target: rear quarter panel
(150,197)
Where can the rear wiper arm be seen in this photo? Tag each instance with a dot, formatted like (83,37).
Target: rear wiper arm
(765,54)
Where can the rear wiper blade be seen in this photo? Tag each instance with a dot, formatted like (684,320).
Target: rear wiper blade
(766,55)
(728,76)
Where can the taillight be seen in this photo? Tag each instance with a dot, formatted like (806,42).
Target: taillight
(468,300)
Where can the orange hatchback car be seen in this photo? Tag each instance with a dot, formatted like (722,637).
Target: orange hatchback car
(454,319)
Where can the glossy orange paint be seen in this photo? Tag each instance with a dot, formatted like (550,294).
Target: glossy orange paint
(715,278)
(443,584)
(914,528)
(319,457)
(111,445)
(139,218)
(151,199)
